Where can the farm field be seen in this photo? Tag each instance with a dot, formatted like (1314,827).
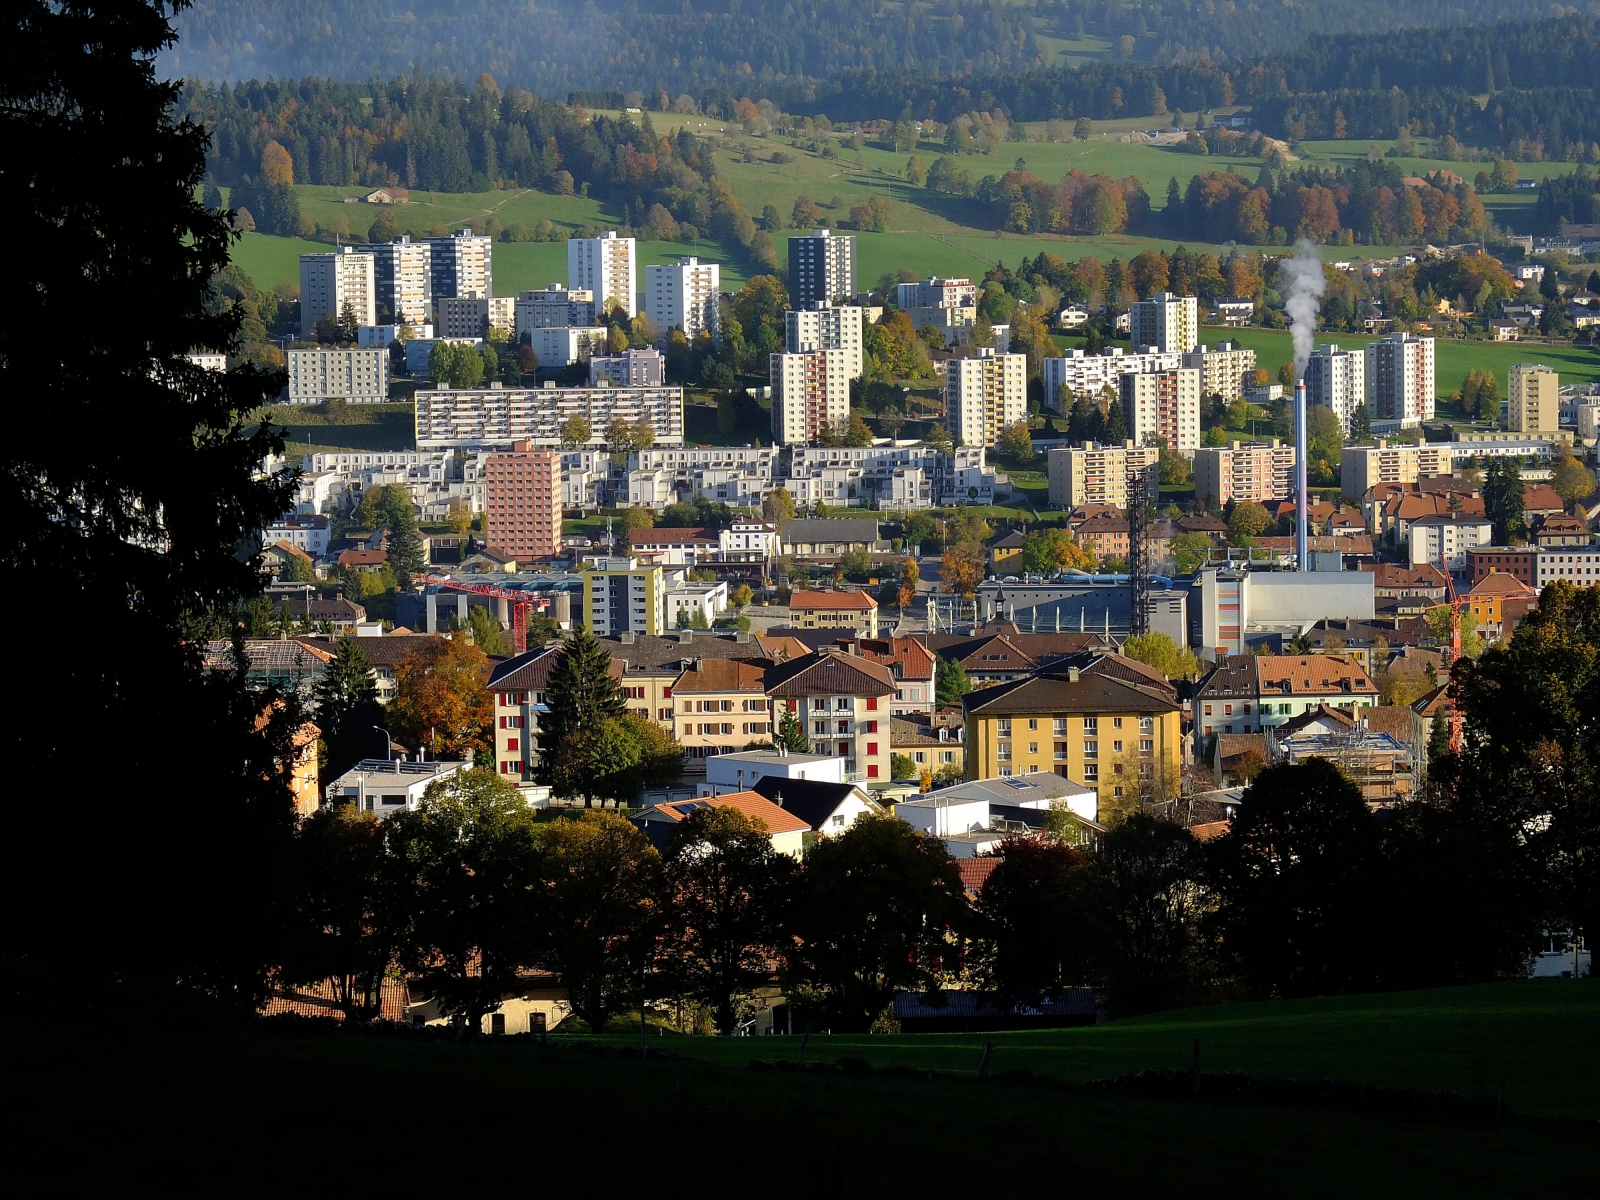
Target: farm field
(1525,1036)
(210,1097)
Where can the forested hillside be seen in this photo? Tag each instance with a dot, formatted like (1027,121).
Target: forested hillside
(688,47)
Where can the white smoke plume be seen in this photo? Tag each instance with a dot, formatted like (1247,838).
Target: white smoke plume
(1301,282)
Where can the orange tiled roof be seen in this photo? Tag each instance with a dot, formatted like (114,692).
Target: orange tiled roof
(752,804)
(1312,674)
(1501,583)
(822,601)
(724,675)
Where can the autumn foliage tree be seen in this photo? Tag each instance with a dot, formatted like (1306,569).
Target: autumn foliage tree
(441,702)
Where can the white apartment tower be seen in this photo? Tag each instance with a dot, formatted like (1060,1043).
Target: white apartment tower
(824,328)
(404,273)
(683,294)
(1163,404)
(1400,379)
(822,268)
(1533,392)
(608,267)
(463,265)
(1169,323)
(985,395)
(330,281)
(810,391)
(1337,380)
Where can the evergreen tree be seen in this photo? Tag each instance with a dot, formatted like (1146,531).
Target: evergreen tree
(349,323)
(405,546)
(581,693)
(791,734)
(346,699)
(1116,426)
(1503,497)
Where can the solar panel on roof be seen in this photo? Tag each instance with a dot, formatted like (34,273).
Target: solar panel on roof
(1019,784)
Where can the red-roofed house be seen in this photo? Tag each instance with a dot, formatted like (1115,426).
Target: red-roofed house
(844,609)
(785,830)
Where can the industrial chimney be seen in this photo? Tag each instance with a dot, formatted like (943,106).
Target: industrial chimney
(1301,517)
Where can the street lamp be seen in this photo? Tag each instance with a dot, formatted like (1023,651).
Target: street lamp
(388,743)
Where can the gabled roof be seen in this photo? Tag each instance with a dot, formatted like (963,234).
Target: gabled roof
(975,873)
(670,536)
(1106,524)
(388,651)
(1119,666)
(647,652)
(1312,674)
(1202,523)
(809,601)
(1434,702)
(810,800)
(1541,497)
(1049,692)
(1234,675)
(1009,539)
(1397,575)
(724,675)
(268,654)
(750,804)
(527,672)
(905,732)
(830,673)
(1501,583)
(1395,720)
(997,653)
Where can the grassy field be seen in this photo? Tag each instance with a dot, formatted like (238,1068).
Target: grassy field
(365,427)
(184,1101)
(1529,1037)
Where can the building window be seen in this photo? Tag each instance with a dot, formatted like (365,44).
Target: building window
(1004,726)
(1091,726)
(1091,771)
(1147,745)
(1146,724)
(1061,727)
(872,770)
(1091,749)
(1208,710)
(1116,746)
(1033,747)
(1033,723)
(512,745)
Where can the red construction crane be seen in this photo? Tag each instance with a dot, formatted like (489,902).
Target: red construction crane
(522,603)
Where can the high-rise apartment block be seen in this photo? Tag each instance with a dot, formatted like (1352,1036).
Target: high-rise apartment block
(683,295)
(554,307)
(329,373)
(984,395)
(522,501)
(462,264)
(825,328)
(330,281)
(1534,394)
(1169,323)
(608,267)
(404,271)
(810,392)
(474,316)
(1363,467)
(1337,380)
(822,268)
(1164,404)
(1087,375)
(1096,474)
(563,345)
(1241,471)
(621,596)
(1226,371)
(464,418)
(1400,379)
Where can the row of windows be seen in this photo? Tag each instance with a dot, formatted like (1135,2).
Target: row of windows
(1059,724)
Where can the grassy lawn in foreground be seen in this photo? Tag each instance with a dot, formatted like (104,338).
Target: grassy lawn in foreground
(190,1105)
(1533,1037)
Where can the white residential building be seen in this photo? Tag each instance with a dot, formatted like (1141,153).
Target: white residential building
(631,368)
(608,267)
(822,268)
(1337,380)
(554,307)
(1096,474)
(1241,471)
(1087,375)
(1169,323)
(473,316)
(985,395)
(826,328)
(330,281)
(308,532)
(404,273)
(810,391)
(208,362)
(326,373)
(1226,371)
(1444,541)
(1163,404)
(1363,467)
(585,478)
(419,352)
(683,295)
(563,345)
(497,416)
(462,264)
(387,786)
(739,476)
(748,541)
(1400,371)
(957,292)
(381,337)
(1579,565)
(1533,395)
(705,600)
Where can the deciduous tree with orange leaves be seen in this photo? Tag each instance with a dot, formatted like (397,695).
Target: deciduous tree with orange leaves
(441,701)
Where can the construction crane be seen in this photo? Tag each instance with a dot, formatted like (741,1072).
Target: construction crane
(1453,651)
(522,603)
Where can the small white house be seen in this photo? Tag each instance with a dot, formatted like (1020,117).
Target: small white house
(974,818)
(387,786)
(742,771)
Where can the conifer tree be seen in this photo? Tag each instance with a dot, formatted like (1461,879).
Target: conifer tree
(581,693)
(346,699)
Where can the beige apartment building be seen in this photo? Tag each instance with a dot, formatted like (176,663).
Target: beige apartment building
(330,281)
(985,395)
(810,392)
(1096,474)
(1533,392)
(720,706)
(1364,467)
(852,610)
(1226,371)
(1258,471)
(844,702)
(1164,404)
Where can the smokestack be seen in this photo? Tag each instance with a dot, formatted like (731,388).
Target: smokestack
(1301,516)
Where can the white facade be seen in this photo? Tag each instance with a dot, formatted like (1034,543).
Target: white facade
(985,395)
(208,362)
(1579,565)
(404,273)
(1258,471)
(826,329)
(822,268)
(385,787)
(739,476)
(357,376)
(448,418)
(748,541)
(1169,323)
(308,533)
(419,351)
(683,295)
(563,345)
(552,308)
(1337,380)
(631,368)
(956,292)
(1163,404)
(1444,541)
(1096,474)
(330,281)
(1087,375)
(1363,467)
(381,337)
(608,267)
(462,265)
(810,391)
(1400,371)
(706,600)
